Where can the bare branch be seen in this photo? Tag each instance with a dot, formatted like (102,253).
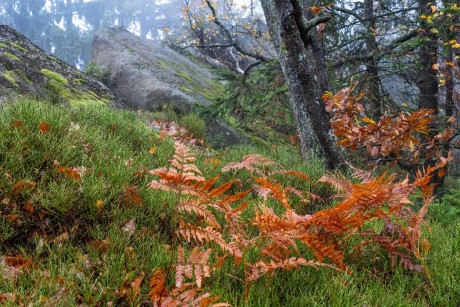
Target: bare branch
(384,50)
(229,37)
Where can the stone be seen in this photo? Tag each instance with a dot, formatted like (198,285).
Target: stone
(25,69)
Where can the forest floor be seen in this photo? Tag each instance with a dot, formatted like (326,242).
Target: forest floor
(79,224)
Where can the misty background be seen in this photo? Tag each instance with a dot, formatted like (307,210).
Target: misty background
(65,28)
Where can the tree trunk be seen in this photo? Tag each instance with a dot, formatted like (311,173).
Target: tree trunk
(373,104)
(294,36)
(427,80)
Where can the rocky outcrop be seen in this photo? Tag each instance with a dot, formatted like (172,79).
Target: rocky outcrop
(25,69)
(148,74)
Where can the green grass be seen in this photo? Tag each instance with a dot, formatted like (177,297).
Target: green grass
(98,259)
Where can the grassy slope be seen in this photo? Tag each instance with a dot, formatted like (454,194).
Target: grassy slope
(96,261)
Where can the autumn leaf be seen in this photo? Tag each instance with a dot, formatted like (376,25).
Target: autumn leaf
(135,285)
(131,196)
(44,127)
(21,186)
(62,237)
(99,204)
(68,172)
(16,123)
(368,120)
(152,150)
(157,285)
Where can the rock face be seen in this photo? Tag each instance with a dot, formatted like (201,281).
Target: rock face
(25,69)
(148,75)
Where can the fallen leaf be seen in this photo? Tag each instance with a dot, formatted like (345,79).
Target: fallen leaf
(136,284)
(100,204)
(67,171)
(28,207)
(62,237)
(44,127)
(16,123)
(131,196)
(130,227)
(21,186)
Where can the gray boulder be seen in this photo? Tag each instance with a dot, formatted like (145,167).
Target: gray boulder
(148,74)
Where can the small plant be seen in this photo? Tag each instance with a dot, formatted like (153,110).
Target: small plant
(194,124)
(99,72)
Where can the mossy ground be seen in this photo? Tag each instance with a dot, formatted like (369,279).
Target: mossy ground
(97,260)
(61,90)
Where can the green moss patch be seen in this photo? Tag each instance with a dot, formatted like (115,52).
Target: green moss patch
(186,90)
(11,56)
(54,76)
(17,46)
(10,76)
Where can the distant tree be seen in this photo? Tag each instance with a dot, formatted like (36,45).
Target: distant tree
(227,31)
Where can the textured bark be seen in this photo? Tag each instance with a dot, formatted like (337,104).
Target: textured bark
(449,83)
(373,102)
(427,80)
(300,53)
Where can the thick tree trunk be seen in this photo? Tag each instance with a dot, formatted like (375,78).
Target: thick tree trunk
(293,35)
(373,104)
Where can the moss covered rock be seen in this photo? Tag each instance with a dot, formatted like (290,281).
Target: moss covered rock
(25,69)
(149,75)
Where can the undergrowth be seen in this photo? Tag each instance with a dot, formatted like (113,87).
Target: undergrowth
(80,225)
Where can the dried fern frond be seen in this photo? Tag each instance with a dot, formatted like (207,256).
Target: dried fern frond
(196,267)
(292,173)
(202,211)
(157,286)
(275,190)
(262,268)
(186,295)
(208,235)
(339,182)
(254,163)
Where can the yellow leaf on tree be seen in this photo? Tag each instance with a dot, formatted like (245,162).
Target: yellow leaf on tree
(411,145)
(368,120)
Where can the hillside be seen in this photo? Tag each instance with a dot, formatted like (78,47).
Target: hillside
(79,224)
(105,206)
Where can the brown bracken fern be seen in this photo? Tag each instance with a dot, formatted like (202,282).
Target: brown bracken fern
(214,215)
